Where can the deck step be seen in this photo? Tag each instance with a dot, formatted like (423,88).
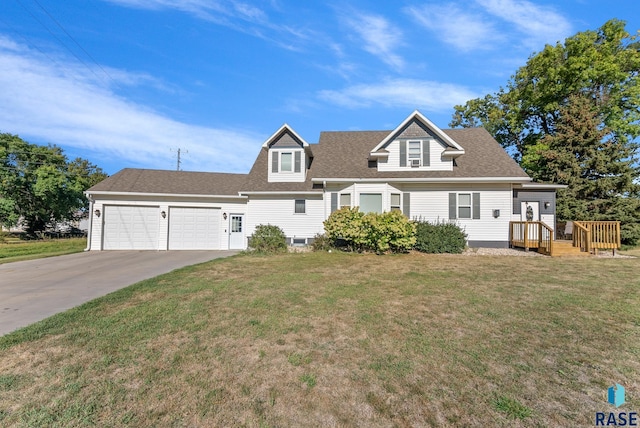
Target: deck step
(566,248)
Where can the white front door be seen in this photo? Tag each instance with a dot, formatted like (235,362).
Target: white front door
(534,211)
(236,232)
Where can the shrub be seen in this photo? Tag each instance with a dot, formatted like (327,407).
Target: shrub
(389,231)
(268,239)
(439,237)
(322,242)
(630,234)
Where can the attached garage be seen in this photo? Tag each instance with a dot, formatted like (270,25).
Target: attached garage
(130,227)
(194,228)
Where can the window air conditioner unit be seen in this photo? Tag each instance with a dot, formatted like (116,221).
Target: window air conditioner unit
(415,163)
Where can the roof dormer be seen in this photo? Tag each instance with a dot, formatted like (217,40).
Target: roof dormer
(289,156)
(416,145)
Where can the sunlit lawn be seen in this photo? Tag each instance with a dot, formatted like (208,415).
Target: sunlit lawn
(337,340)
(13,251)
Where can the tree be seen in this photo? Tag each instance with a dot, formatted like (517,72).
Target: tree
(571,115)
(39,186)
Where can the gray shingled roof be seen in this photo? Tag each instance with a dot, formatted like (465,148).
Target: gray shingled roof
(342,154)
(171,182)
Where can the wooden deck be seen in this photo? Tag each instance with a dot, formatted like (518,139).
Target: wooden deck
(588,237)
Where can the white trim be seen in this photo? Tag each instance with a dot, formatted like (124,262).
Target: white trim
(549,186)
(284,127)
(425,180)
(319,192)
(417,115)
(163,195)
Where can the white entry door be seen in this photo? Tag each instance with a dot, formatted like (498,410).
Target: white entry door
(236,232)
(534,210)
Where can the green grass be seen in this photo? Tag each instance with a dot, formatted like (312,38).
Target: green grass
(337,339)
(13,251)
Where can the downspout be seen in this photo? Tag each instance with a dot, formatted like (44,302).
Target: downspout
(90,228)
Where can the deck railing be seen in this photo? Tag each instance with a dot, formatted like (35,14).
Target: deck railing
(531,234)
(594,235)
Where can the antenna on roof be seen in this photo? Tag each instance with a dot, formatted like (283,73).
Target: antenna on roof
(179,159)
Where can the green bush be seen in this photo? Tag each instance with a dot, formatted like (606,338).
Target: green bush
(321,242)
(439,237)
(268,239)
(381,233)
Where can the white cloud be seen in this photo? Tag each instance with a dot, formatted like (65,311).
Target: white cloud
(69,107)
(539,24)
(464,30)
(489,24)
(380,38)
(405,93)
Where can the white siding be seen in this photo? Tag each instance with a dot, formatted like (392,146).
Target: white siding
(289,177)
(437,163)
(280,212)
(432,203)
(224,205)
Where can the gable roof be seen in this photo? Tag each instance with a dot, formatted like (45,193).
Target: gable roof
(345,154)
(130,180)
(417,116)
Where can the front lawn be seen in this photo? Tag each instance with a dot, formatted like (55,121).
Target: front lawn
(15,250)
(322,339)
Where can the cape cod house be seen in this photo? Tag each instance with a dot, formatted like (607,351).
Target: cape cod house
(461,175)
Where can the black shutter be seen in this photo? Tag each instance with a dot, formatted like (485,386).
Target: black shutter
(425,153)
(406,204)
(297,161)
(334,202)
(274,161)
(403,153)
(476,205)
(453,206)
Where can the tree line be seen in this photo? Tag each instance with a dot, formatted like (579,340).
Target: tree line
(40,186)
(571,115)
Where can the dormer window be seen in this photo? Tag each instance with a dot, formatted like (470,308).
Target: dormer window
(414,153)
(285,162)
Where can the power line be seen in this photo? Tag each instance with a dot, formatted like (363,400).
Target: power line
(73,39)
(58,39)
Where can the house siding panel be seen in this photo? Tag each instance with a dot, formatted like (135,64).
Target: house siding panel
(279,211)
(431,203)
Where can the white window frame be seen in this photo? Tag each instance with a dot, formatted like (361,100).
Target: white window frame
(340,204)
(295,206)
(413,156)
(281,155)
(461,205)
(393,206)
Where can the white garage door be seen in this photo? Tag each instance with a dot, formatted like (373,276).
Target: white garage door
(194,228)
(130,227)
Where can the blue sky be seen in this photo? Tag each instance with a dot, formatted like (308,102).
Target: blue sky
(125,83)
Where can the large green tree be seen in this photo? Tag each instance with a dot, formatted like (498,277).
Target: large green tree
(571,115)
(39,185)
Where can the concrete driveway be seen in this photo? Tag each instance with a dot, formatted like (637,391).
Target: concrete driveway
(33,290)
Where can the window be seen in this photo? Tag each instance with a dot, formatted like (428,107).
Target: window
(395,202)
(345,200)
(371,202)
(285,162)
(300,206)
(464,205)
(414,153)
(415,150)
(236,223)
